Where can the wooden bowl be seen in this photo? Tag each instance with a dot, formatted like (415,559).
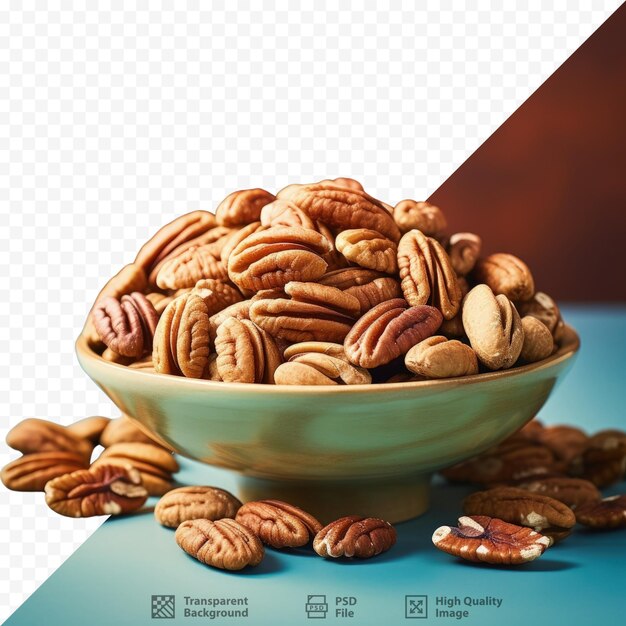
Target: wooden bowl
(334,450)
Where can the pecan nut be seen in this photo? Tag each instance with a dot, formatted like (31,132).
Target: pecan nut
(217,295)
(278,524)
(36,435)
(538,343)
(522,507)
(31,472)
(423,216)
(189,503)
(242,207)
(438,357)
(388,331)
(103,490)
(571,491)
(181,340)
(566,442)
(276,256)
(127,325)
(245,352)
(603,460)
(480,538)
(236,237)
(507,275)
(155,464)
(355,537)
(426,274)
(607,513)
(121,430)
(341,207)
(192,265)
(493,327)
(369,249)
(224,544)
(464,250)
(90,428)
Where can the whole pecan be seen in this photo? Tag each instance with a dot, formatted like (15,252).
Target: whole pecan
(224,544)
(538,343)
(506,275)
(355,536)
(154,463)
(217,295)
(341,207)
(127,325)
(544,308)
(123,429)
(278,524)
(186,269)
(507,462)
(571,491)
(181,341)
(368,249)
(104,490)
(369,287)
(90,428)
(480,538)
(242,207)
(31,472)
(464,250)
(276,256)
(36,435)
(245,352)
(388,331)
(438,357)
(188,503)
(172,235)
(423,216)
(522,507)
(314,313)
(493,327)
(426,274)
(607,513)
(314,368)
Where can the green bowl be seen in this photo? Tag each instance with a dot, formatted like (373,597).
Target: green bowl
(334,450)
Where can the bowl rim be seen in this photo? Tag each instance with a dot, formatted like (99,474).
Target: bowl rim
(569,346)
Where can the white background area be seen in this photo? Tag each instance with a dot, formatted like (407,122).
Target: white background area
(115,117)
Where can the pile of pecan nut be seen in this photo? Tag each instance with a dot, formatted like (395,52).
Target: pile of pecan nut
(320,284)
(537,485)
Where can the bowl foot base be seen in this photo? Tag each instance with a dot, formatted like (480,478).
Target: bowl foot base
(394,500)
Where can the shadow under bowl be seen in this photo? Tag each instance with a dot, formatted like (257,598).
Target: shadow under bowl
(334,450)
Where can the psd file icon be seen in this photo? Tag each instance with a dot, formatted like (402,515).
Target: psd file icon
(316,607)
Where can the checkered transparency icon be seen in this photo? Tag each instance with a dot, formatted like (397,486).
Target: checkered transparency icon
(115,119)
(163,607)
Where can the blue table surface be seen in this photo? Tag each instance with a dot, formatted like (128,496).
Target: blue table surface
(112,578)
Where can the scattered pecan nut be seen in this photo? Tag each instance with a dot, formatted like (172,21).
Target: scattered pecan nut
(103,490)
(482,539)
(278,524)
(273,257)
(493,326)
(242,207)
(426,274)
(507,275)
(123,429)
(126,326)
(566,442)
(36,435)
(90,428)
(607,513)
(464,250)
(571,491)
(522,507)
(369,249)
(388,331)
(31,472)
(422,216)
(199,502)
(603,460)
(245,352)
(355,537)
(438,357)
(224,544)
